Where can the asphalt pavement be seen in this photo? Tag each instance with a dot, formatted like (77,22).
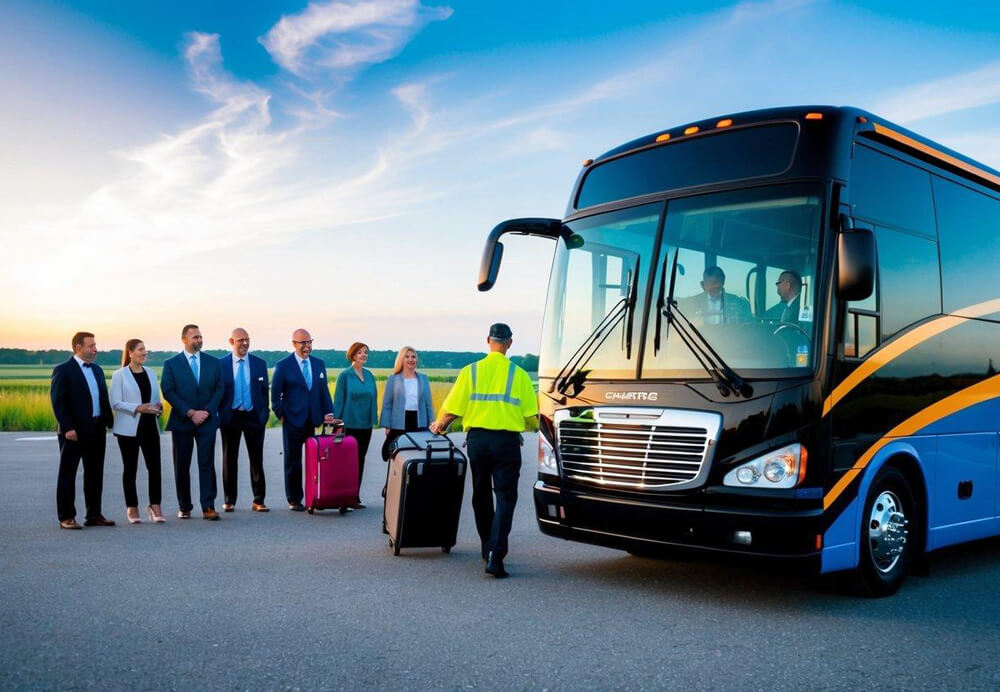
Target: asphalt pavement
(295,601)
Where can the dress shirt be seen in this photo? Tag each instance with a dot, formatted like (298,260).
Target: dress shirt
(88,374)
(197,357)
(302,360)
(246,381)
(714,313)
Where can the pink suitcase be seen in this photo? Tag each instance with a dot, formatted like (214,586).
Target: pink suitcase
(331,466)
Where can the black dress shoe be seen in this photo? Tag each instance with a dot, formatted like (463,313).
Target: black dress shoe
(99,520)
(494,566)
(296,507)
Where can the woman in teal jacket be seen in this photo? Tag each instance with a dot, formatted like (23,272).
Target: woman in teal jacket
(354,402)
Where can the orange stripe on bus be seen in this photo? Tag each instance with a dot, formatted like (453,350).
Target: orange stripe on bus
(897,347)
(940,155)
(963,399)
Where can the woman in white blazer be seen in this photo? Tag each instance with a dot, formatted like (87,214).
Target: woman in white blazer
(135,398)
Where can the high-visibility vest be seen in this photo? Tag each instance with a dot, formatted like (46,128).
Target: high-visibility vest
(492,393)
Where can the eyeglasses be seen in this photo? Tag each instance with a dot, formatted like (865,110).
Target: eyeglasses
(303,343)
(781,281)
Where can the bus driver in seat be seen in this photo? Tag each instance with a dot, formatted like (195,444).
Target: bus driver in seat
(714,305)
(789,286)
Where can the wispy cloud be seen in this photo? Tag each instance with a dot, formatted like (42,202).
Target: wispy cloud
(958,92)
(344,35)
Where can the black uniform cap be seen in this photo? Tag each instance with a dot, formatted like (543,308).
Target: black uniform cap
(500,332)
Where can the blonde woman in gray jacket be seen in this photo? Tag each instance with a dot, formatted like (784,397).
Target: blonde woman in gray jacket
(135,399)
(406,400)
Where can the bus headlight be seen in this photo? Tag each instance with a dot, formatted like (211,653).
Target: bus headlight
(546,457)
(782,468)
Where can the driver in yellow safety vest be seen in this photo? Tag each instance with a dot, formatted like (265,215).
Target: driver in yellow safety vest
(494,397)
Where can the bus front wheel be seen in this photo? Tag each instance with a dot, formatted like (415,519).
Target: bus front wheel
(888,532)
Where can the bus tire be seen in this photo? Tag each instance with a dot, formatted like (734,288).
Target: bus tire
(888,535)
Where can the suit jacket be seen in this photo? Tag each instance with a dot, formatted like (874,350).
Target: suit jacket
(292,400)
(394,402)
(735,310)
(782,314)
(184,393)
(125,396)
(71,402)
(259,386)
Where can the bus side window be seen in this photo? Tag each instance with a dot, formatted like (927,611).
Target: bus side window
(861,325)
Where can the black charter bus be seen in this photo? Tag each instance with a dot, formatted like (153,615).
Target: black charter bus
(774,334)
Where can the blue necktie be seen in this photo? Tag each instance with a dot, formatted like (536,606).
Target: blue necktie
(307,373)
(241,397)
(194,368)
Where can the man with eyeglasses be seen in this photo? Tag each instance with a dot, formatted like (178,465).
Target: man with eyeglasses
(301,400)
(789,285)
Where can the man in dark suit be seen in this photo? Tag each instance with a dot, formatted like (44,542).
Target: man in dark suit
(301,400)
(82,409)
(243,413)
(192,383)
(789,287)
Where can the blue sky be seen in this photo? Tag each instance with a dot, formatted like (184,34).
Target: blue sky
(337,165)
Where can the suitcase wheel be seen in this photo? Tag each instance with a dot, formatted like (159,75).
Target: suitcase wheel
(311,510)
(395,547)
(446,549)
(343,510)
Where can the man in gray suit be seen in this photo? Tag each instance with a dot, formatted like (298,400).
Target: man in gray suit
(192,383)
(714,305)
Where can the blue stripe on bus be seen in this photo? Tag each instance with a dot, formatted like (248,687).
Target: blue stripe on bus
(960,448)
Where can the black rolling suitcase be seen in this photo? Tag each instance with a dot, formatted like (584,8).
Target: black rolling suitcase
(424,491)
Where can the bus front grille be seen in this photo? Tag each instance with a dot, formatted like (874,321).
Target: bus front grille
(636,449)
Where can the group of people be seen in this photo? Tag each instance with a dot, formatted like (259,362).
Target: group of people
(231,396)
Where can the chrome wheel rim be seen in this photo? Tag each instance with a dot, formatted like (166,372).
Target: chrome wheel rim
(887,531)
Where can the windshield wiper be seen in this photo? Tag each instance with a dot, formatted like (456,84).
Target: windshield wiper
(725,378)
(573,372)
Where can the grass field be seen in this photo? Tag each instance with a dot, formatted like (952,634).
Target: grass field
(25,405)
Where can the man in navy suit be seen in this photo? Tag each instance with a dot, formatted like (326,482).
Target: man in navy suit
(192,383)
(243,413)
(82,409)
(301,400)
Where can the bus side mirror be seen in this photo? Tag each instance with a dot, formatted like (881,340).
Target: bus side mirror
(855,264)
(489,266)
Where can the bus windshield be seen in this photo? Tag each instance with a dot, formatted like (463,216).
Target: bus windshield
(742,268)
(592,281)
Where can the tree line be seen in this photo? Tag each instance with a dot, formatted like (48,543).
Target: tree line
(334,358)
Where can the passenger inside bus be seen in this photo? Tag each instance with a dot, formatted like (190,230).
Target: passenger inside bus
(713,305)
(789,286)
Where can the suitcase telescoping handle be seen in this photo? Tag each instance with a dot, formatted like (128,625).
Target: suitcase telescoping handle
(430,447)
(331,429)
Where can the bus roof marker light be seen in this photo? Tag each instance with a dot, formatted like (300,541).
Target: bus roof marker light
(664,137)
(724,123)
(587,162)
(862,119)
(814,116)
(690,130)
